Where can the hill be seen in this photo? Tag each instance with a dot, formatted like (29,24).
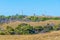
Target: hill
(42,23)
(53,35)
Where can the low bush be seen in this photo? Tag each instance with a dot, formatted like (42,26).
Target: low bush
(38,29)
(48,28)
(10,30)
(24,29)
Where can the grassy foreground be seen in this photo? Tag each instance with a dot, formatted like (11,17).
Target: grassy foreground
(55,35)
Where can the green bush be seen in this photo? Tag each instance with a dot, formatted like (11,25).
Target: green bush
(2,32)
(34,18)
(57,27)
(38,28)
(24,29)
(44,18)
(56,18)
(48,28)
(10,30)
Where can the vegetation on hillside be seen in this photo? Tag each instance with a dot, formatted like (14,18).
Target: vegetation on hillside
(24,29)
(5,19)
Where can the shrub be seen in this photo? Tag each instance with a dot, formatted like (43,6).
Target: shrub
(56,18)
(48,28)
(34,18)
(10,30)
(57,27)
(24,29)
(38,29)
(44,18)
(2,32)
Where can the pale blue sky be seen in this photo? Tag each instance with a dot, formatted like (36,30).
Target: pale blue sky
(47,7)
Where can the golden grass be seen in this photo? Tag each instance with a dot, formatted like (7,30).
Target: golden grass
(15,24)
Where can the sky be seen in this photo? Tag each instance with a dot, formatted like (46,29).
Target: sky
(29,7)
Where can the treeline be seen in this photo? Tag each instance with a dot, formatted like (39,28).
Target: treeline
(25,29)
(5,19)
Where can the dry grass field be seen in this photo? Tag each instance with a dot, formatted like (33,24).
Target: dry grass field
(54,35)
(15,24)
